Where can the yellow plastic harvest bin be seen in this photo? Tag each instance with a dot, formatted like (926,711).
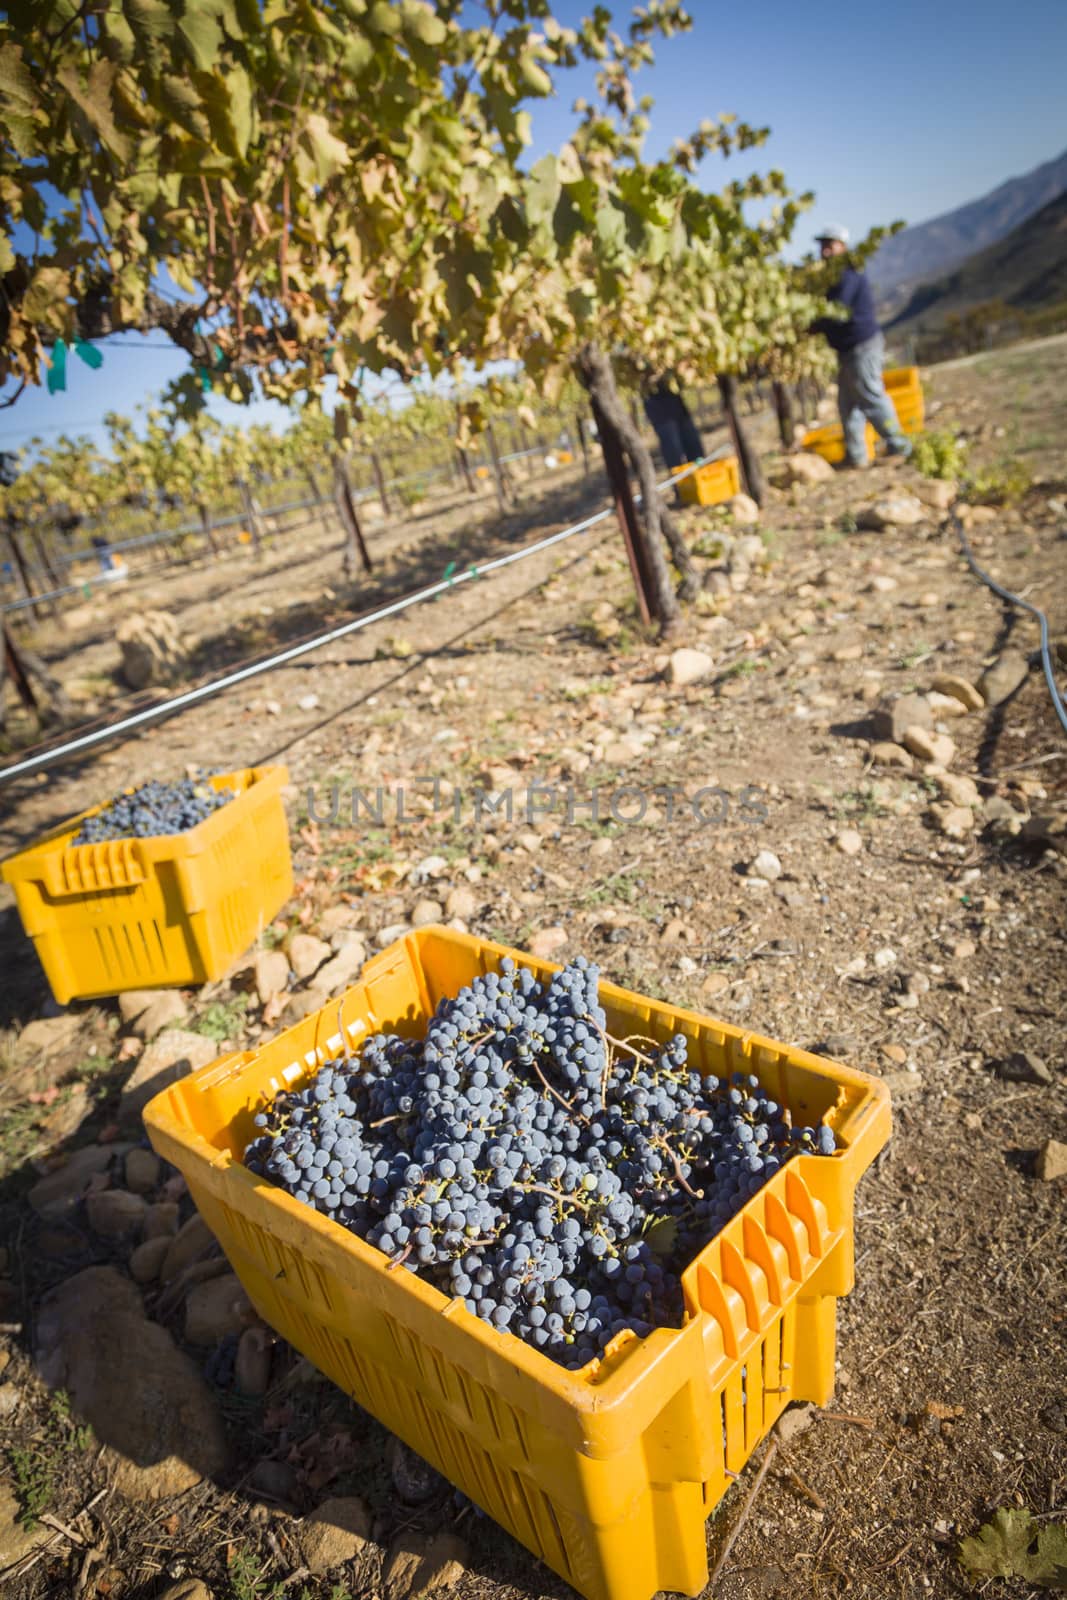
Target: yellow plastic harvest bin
(712,483)
(903,388)
(140,913)
(609,1473)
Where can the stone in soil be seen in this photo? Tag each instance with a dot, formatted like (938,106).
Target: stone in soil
(115,1213)
(1024,1067)
(187,1589)
(132,1002)
(252,1364)
(745,510)
(142,1171)
(895,510)
(152,647)
(1052,1161)
(16,1540)
(215,1309)
(390,934)
(546,941)
(334,1533)
(126,1378)
(414,1480)
(938,493)
(1048,829)
(171,1056)
(342,969)
(887,754)
(9,1400)
(167,1010)
(927,746)
(48,1034)
(57,1195)
(955,822)
(161,1220)
(425,912)
(275,1479)
(765,865)
(303,1004)
(418,1563)
(849,841)
(461,902)
(1001,680)
(336,918)
(190,1244)
(802,469)
(271,973)
(306,954)
(961,689)
(957,789)
(903,1082)
(893,717)
(147,1259)
(689,666)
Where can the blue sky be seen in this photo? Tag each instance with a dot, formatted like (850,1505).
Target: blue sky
(886,111)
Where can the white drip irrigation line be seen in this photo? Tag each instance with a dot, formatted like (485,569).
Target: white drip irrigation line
(189,697)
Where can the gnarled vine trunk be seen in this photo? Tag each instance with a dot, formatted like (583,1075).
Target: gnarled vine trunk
(783,405)
(748,457)
(617,429)
(356,553)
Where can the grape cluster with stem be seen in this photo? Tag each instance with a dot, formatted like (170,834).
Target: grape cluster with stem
(554,1178)
(153,809)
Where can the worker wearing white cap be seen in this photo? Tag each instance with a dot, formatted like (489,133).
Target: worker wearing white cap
(860,347)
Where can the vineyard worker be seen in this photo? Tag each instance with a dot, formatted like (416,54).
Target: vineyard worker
(679,439)
(860,347)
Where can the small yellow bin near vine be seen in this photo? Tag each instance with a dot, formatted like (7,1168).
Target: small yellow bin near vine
(903,388)
(712,483)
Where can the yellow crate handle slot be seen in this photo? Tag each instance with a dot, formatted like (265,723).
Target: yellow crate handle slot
(93,868)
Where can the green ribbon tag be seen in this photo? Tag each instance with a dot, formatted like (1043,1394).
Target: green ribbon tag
(57,372)
(89,354)
(205,379)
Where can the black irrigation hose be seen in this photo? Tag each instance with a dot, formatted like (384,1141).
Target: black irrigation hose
(1016,600)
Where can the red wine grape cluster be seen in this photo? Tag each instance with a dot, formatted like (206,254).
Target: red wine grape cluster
(153,809)
(554,1178)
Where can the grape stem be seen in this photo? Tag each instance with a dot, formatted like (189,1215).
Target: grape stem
(696,1194)
(398,1261)
(553,1194)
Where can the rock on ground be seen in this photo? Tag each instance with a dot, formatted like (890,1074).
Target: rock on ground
(172,1055)
(1052,1160)
(689,666)
(905,711)
(17,1541)
(927,746)
(849,841)
(425,912)
(1024,1067)
(334,1533)
(252,1364)
(126,1377)
(271,971)
(161,1220)
(343,969)
(215,1309)
(892,755)
(141,1171)
(546,941)
(306,954)
(167,1010)
(960,689)
(418,1563)
(147,1259)
(807,468)
(191,1243)
(48,1034)
(765,865)
(115,1213)
(744,509)
(187,1589)
(896,510)
(461,902)
(1001,680)
(58,1193)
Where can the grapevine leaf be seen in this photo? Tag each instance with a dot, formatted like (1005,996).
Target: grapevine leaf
(330,153)
(661,1235)
(1011,1546)
(203,37)
(94,100)
(7,255)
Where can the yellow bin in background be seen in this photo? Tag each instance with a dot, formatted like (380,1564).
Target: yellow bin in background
(606,1474)
(712,483)
(903,388)
(141,913)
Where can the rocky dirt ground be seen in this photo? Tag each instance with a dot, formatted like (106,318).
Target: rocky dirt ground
(879,876)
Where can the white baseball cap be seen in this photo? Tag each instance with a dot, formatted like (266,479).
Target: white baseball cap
(835,232)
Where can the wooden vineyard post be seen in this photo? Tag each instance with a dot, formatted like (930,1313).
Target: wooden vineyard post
(379,481)
(22,573)
(783,405)
(583,441)
(626,512)
(253,515)
(355,544)
(748,460)
(23,667)
(465,467)
(208,529)
(501,479)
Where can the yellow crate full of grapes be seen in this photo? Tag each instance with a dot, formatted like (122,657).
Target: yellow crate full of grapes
(605,1470)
